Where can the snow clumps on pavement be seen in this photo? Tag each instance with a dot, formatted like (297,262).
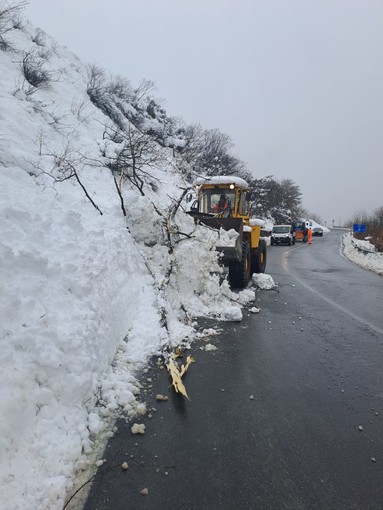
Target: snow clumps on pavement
(264,281)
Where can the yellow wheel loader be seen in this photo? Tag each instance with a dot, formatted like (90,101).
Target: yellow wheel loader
(223,202)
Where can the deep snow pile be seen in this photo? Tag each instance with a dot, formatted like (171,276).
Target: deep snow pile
(314,224)
(81,289)
(68,281)
(362,253)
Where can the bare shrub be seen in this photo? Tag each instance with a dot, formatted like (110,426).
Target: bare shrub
(33,70)
(40,37)
(5,45)
(9,12)
(18,22)
(143,90)
(45,52)
(373,234)
(378,217)
(374,226)
(78,108)
(376,235)
(121,88)
(40,141)
(57,121)
(101,97)
(96,78)
(67,166)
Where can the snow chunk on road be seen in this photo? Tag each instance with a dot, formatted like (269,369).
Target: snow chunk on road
(264,281)
(138,428)
(232,313)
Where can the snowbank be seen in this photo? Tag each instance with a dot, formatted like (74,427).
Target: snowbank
(73,292)
(87,297)
(362,253)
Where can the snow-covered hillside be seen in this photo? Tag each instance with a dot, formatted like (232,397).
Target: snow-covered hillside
(83,286)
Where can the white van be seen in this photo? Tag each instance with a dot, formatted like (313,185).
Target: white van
(283,234)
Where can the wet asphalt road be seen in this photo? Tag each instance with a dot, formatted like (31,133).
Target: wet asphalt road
(312,361)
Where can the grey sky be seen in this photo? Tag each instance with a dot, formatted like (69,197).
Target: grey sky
(296,84)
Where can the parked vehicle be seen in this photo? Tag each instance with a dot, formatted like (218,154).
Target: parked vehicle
(317,231)
(301,230)
(283,234)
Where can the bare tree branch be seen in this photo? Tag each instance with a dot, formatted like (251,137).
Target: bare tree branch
(65,169)
(121,197)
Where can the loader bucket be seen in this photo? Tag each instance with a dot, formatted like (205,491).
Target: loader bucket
(228,253)
(225,223)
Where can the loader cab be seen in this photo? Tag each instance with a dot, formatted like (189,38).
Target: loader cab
(228,200)
(216,201)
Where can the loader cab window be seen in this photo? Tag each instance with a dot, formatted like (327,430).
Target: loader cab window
(222,204)
(243,208)
(217,201)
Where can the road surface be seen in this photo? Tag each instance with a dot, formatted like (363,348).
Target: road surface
(286,414)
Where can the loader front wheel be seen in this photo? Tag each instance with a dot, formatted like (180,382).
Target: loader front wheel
(240,272)
(259,257)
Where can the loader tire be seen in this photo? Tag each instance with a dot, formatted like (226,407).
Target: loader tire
(259,258)
(240,272)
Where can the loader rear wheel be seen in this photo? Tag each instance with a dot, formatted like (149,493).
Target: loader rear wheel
(259,258)
(240,272)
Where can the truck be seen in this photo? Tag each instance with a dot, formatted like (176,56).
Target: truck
(301,228)
(223,202)
(283,234)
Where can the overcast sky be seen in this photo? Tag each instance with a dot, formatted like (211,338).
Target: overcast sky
(296,84)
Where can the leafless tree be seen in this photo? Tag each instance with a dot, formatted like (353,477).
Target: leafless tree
(130,155)
(378,216)
(360,216)
(209,152)
(315,217)
(96,77)
(143,90)
(121,88)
